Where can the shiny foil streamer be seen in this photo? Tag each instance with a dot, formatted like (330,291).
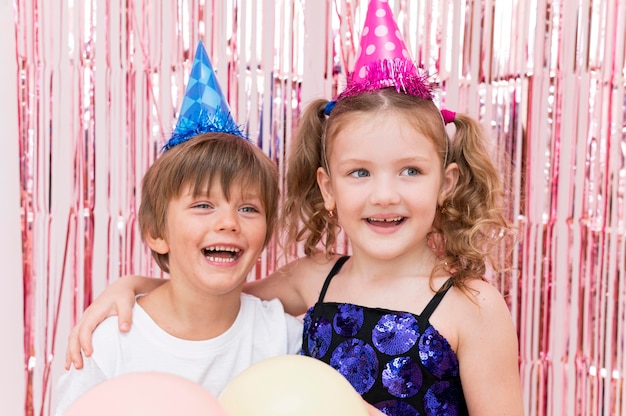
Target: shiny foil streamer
(99,84)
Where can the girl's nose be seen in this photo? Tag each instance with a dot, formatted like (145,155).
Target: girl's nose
(384,192)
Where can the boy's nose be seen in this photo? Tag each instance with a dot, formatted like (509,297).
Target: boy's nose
(227,220)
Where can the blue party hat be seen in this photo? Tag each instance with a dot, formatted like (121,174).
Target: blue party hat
(204,108)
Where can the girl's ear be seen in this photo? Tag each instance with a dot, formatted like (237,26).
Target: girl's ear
(323,181)
(158,245)
(450,178)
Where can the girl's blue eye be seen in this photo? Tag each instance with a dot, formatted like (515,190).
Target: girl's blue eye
(360,173)
(202,206)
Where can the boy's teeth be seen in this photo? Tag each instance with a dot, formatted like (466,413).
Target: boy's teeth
(221,253)
(221,248)
(221,259)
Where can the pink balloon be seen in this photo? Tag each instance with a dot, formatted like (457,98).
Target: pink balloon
(147,393)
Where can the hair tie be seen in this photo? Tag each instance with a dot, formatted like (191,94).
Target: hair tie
(448,116)
(329,107)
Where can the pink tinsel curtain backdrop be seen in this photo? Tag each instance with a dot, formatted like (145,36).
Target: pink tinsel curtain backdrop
(89,90)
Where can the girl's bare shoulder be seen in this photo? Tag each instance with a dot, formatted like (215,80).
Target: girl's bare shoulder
(479,298)
(480,312)
(478,307)
(314,264)
(309,271)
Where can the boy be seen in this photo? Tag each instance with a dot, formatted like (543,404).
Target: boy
(208,208)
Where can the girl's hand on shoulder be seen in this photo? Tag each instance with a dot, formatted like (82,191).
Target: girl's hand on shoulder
(117,299)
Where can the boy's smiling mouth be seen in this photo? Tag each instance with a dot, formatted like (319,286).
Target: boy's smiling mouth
(222,253)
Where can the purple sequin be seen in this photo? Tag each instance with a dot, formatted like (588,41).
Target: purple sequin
(306,321)
(442,398)
(402,377)
(348,320)
(395,333)
(396,408)
(357,361)
(436,354)
(318,333)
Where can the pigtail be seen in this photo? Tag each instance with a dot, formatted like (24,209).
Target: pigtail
(304,216)
(472,218)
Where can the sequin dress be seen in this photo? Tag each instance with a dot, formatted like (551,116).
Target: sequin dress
(396,360)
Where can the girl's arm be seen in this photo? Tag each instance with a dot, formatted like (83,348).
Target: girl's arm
(488,355)
(280,284)
(297,284)
(117,299)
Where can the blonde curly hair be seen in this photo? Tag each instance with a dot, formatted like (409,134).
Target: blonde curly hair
(469,228)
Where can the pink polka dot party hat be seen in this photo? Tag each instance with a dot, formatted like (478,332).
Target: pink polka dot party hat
(383,60)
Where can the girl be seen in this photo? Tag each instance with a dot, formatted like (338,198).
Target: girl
(408,318)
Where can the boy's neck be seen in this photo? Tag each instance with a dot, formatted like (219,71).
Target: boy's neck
(191,316)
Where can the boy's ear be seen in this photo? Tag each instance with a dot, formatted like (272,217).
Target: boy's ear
(158,245)
(323,181)
(450,178)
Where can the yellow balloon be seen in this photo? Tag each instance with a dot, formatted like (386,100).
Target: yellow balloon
(291,385)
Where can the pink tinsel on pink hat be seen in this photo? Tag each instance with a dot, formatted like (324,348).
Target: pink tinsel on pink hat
(380,39)
(384,60)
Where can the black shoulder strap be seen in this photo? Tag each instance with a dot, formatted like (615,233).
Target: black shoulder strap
(434,302)
(338,265)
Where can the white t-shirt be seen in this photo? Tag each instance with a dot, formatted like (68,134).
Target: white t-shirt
(261,330)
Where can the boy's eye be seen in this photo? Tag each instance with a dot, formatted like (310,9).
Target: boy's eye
(249,209)
(360,173)
(411,171)
(202,205)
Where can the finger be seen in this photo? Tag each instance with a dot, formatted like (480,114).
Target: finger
(125,316)
(68,360)
(84,338)
(72,353)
